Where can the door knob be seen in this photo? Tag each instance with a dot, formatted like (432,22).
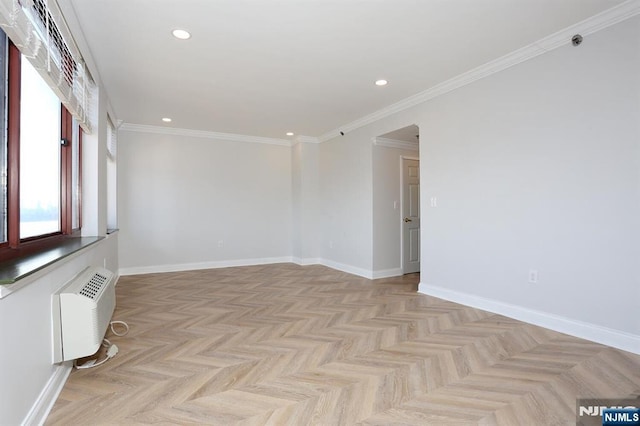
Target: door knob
(406,219)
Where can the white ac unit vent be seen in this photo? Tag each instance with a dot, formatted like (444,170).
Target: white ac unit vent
(81,312)
(95,285)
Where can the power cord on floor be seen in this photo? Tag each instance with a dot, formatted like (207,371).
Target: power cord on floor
(112,349)
(122,323)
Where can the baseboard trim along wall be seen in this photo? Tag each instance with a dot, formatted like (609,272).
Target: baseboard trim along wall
(372,275)
(606,336)
(43,405)
(387,273)
(306,261)
(361,272)
(203,265)
(347,268)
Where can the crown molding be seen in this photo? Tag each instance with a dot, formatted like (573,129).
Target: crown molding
(307,139)
(395,143)
(143,128)
(591,25)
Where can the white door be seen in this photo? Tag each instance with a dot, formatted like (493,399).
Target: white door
(410,216)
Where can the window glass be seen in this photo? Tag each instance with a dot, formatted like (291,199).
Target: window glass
(39,155)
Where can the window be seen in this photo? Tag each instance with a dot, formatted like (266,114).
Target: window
(40,156)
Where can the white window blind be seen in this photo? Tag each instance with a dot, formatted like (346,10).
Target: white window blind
(38,29)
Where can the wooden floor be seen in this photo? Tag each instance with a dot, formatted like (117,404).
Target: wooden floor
(291,345)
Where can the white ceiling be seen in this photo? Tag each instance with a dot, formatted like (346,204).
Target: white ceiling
(265,67)
(406,134)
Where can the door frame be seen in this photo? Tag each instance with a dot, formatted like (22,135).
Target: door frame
(403,158)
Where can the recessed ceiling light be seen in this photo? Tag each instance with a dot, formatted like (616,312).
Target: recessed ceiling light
(381,82)
(181,34)
(289,133)
(166,120)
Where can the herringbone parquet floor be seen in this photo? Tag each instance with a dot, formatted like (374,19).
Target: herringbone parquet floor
(291,345)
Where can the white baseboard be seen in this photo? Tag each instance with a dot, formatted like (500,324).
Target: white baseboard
(387,273)
(347,268)
(203,265)
(303,261)
(43,405)
(372,275)
(584,330)
(383,273)
(334,265)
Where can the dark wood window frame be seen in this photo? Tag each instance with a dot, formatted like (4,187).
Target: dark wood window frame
(16,247)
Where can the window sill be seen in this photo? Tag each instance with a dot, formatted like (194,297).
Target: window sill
(14,270)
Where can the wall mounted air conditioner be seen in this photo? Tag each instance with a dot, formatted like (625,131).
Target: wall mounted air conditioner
(81,312)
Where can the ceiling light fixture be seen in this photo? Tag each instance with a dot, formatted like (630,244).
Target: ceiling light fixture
(289,133)
(181,34)
(381,82)
(166,120)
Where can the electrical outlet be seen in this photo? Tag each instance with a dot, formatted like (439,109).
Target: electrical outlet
(533,276)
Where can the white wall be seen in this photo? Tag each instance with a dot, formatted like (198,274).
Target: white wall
(534,167)
(387,189)
(178,196)
(538,167)
(94,168)
(296,199)
(306,238)
(345,198)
